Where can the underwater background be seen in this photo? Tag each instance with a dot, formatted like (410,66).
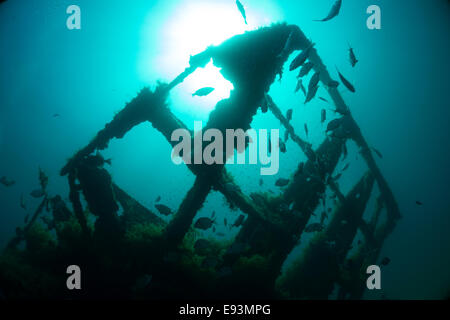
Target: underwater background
(59,87)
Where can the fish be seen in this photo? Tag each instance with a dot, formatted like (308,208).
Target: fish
(213,215)
(419,203)
(289,115)
(378,153)
(225,222)
(270,144)
(158,199)
(203,223)
(239,221)
(301,58)
(203,92)
(163,209)
(385,261)
(261,181)
(305,69)
(346,83)
(333,84)
(241,10)
(311,94)
(214,229)
(323,99)
(334,124)
(300,86)
(323,115)
(56,115)
(346,167)
(314,227)
(314,81)
(7,182)
(22,202)
(282,146)
(323,216)
(352,57)
(306,129)
(286,136)
(282,182)
(334,11)
(37,193)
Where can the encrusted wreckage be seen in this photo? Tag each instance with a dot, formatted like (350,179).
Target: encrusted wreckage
(138,243)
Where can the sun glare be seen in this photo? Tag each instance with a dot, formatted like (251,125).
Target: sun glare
(189,28)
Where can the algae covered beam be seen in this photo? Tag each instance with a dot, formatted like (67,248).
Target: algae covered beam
(182,220)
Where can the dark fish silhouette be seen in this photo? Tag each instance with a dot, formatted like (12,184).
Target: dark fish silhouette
(419,203)
(289,115)
(7,182)
(203,91)
(282,182)
(163,209)
(306,129)
(385,261)
(346,167)
(213,215)
(306,68)
(242,10)
(158,199)
(333,12)
(300,86)
(333,84)
(225,222)
(323,99)
(56,115)
(378,153)
(334,124)
(323,115)
(311,94)
(301,58)
(346,83)
(203,223)
(261,181)
(38,193)
(22,202)
(282,146)
(314,81)
(352,57)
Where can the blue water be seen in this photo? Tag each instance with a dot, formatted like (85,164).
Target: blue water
(401,104)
